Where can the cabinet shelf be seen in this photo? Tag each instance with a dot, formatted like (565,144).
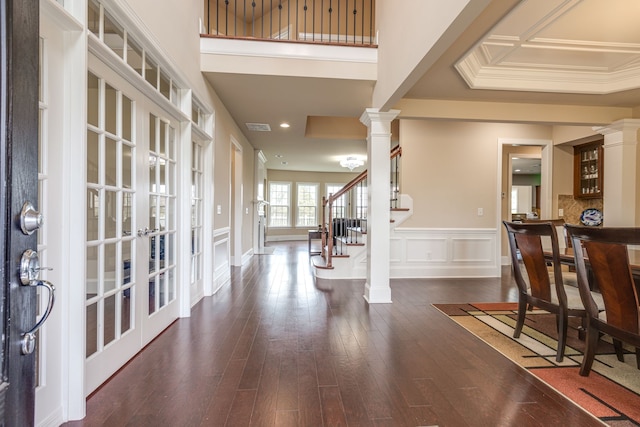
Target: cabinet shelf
(588,174)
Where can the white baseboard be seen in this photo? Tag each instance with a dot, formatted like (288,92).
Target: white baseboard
(287,238)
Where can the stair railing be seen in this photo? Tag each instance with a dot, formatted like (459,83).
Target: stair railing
(344,22)
(348,228)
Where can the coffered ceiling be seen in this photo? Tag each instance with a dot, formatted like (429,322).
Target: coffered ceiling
(574,46)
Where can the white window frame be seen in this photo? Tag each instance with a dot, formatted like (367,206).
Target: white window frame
(273,205)
(316,188)
(361,208)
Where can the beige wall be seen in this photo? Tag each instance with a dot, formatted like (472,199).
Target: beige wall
(322,178)
(450,170)
(175,26)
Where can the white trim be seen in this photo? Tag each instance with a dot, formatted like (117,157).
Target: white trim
(236,200)
(296,51)
(287,237)
(427,253)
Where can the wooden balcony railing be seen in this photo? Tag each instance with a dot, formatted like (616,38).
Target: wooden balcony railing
(344,214)
(347,22)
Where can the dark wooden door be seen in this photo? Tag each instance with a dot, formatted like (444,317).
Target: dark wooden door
(19,183)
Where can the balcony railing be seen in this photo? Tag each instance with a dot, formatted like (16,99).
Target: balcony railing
(350,202)
(345,22)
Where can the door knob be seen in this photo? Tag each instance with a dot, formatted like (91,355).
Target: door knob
(30,219)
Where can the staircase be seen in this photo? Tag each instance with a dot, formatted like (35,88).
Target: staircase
(344,238)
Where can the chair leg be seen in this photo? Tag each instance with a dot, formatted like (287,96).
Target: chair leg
(522,311)
(590,351)
(617,345)
(562,335)
(582,329)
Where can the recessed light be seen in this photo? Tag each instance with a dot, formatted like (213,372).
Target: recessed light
(278,156)
(284,163)
(284,125)
(517,170)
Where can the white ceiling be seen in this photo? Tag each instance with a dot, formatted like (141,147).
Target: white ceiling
(579,52)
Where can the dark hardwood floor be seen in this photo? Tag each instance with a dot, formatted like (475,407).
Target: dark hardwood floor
(275,348)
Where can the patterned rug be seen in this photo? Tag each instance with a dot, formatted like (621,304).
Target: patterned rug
(611,392)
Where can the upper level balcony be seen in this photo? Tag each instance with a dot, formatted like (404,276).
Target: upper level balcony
(302,38)
(341,22)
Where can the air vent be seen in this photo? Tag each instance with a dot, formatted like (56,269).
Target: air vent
(258,127)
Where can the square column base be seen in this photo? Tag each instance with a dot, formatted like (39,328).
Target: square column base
(380,295)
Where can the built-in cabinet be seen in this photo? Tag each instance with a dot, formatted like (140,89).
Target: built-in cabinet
(588,173)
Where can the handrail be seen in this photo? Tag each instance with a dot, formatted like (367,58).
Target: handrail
(350,227)
(395,152)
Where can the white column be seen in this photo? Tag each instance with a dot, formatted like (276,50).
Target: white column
(377,287)
(621,173)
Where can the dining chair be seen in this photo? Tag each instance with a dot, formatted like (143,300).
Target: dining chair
(539,284)
(604,259)
(558,223)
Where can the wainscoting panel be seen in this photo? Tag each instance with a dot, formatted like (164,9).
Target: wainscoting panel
(425,249)
(221,258)
(428,252)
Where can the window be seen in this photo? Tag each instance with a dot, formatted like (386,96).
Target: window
(361,201)
(339,206)
(307,205)
(280,202)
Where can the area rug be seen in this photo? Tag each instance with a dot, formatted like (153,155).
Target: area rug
(611,392)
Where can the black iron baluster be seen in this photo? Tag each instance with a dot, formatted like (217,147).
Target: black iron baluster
(355,14)
(289,20)
(226,18)
(217,16)
(330,19)
(235,21)
(279,19)
(297,18)
(304,26)
(362,29)
(262,26)
(270,20)
(253,17)
(338,23)
(321,19)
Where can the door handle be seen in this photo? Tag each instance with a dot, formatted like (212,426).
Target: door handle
(146,231)
(29,338)
(29,272)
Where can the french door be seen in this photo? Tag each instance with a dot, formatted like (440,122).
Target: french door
(130,262)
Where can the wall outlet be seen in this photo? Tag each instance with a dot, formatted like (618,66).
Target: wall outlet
(560,212)
(218,209)
(480,211)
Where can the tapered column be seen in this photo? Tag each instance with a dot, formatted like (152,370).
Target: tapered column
(621,173)
(377,288)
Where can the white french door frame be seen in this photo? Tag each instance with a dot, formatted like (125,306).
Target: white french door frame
(236,201)
(144,327)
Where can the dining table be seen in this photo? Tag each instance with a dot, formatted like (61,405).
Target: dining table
(567,258)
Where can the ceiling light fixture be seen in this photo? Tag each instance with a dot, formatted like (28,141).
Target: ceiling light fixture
(351,163)
(284,125)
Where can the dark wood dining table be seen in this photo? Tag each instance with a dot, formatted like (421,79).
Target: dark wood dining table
(567,257)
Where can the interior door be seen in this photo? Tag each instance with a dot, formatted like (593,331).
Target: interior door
(19,174)
(131,223)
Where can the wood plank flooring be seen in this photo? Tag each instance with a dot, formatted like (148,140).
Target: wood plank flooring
(275,348)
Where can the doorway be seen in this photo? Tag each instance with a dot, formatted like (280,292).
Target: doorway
(236,203)
(508,148)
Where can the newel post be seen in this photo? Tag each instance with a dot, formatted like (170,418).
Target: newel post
(377,287)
